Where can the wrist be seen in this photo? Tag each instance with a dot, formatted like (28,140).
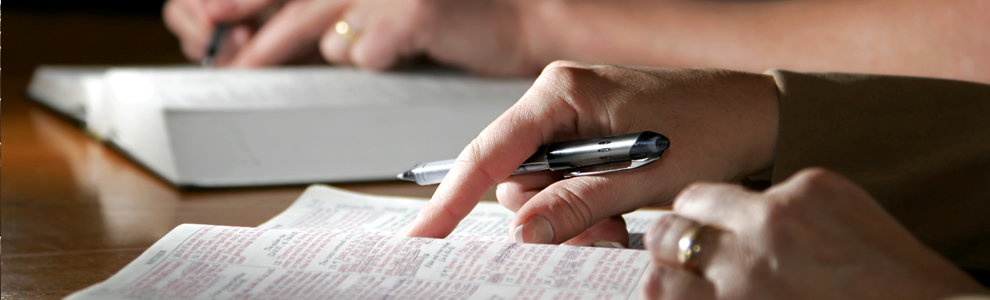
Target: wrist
(767,104)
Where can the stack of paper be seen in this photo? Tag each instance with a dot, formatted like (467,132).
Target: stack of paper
(218,128)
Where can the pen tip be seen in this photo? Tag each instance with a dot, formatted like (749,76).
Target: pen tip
(407,176)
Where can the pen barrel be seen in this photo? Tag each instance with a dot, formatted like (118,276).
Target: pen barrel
(634,150)
(431,172)
(604,151)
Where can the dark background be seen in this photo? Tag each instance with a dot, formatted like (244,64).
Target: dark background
(135,7)
(95,32)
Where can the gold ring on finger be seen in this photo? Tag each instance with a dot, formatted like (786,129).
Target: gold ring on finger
(346,30)
(689,247)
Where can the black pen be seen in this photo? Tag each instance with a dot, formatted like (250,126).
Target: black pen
(213,46)
(578,158)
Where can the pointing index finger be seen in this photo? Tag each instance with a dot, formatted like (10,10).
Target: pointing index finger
(489,159)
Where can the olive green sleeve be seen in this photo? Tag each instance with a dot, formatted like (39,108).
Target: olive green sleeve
(920,146)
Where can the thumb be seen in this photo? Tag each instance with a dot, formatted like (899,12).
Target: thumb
(568,207)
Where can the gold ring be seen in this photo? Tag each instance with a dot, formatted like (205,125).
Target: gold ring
(689,247)
(345,29)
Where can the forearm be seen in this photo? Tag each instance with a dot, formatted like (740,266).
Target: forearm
(933,39)
(917,145)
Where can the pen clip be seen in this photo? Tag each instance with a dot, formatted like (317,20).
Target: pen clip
(632,165)
(632,150)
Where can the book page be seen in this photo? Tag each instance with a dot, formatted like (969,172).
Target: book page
(67,89)
(218,262)
(199,127)
(335,244)
(324,208)
(199,88)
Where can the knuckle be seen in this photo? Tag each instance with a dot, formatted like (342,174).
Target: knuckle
(572,85)
(504,190)
(696,188)
(692,192)
(560,73)
(478,149)
(815,177)
(569,76)
(797,199)
(575,202)
(812,182)
(780,210)
(658,229)
(475,152)
(561,64)
(509,195)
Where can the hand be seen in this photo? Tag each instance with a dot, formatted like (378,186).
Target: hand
(815,236)
(385,32)
(260,32)
(721,126)
(483,36)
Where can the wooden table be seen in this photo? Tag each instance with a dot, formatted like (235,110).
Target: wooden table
(74,211)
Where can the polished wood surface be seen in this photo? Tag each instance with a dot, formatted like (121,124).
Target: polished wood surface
(74,211)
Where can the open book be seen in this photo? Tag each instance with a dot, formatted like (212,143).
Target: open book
(334,244)
(220,127)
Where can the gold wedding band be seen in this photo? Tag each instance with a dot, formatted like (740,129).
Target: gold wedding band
(346,30)
(689,247)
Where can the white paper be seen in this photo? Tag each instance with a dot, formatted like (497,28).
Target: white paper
(67,89)
(329,209)
(333,244)
(280,88)
(223,128)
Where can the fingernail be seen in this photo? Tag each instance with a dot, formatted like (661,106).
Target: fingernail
(608,244)
(535,231)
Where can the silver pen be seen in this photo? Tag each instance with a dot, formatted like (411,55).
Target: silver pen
(577,158)
(213,45)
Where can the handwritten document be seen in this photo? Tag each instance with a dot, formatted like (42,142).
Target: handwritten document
(333,244)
